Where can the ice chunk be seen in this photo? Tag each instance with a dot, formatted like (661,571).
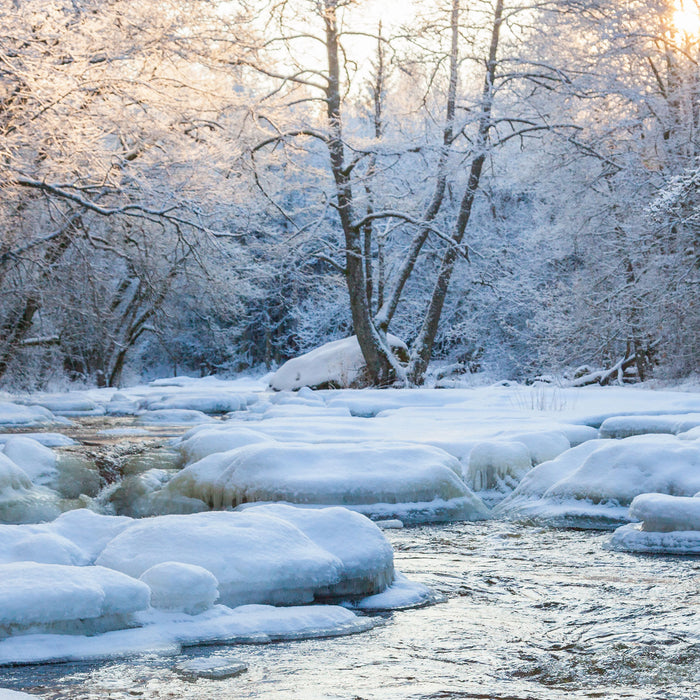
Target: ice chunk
(543,446)
(497,466)
(45,439)
(181,587)
(214,668)
(37,462)
(6,694)
(87,530)
(403,593)
(74,599)
(336,364)
(623,469)
(71,404)
(354,475)
(210,441)
(255,557)
(20,501)
(633,538)
(366,556)
(165,633)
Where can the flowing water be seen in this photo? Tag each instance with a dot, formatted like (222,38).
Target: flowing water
(529,614)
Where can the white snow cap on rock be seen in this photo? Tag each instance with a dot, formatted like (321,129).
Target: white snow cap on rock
(670,525)
(36,461)
(338,364)
(77,599)
(181,587)
(593,484)
(258,556)
(379,479)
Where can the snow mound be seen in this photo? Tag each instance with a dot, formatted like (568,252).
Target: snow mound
(365,554)
(24,416)
(173,416)
(45,439)
(625,426)
(402,594)
(181,587)
(36,461)
(212,440)
(415,483)
(670,525)
(206,402)
(543,446)
(592,485)
(38,544)
(255,556)
(333,365)
(71,599)
(69,405)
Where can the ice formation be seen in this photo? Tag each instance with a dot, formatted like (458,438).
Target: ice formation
(497,466)
(415,483)
(36,461)
(336,364)
(20,500)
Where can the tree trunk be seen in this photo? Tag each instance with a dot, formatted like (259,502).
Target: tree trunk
(422,349)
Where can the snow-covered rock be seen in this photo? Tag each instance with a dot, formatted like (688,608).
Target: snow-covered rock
(592,485)
(669,525)
(206,402)
(74,599)
(12,414)
(625,426)
(36,461)
(173,416)
(210,441)
(336,364)
(181,587)
(256,557)
(415,483)
(366,556)
(543,446)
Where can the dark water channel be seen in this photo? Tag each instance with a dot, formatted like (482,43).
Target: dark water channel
(530,613)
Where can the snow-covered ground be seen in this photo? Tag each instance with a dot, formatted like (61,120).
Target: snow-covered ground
(80,579)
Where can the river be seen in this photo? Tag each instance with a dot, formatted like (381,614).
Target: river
(528,614)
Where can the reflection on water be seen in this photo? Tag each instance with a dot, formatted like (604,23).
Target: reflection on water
(530,614)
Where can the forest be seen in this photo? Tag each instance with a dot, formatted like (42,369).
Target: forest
(205,186)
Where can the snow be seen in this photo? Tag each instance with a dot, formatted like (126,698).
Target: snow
(214,668)
(6,694)
(212,440)
(366,557)
(12,414)
(209,402)
(20,500)
(497,466)
(356,475)
(403,593)
(173,416)
(626,426)
(46,439)
(289,567)
(337,364)
(37,461)
(181,587)
(663,513)
(53,597)
(166,633)
(593,484)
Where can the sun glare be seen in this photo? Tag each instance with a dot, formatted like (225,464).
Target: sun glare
(686,18)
